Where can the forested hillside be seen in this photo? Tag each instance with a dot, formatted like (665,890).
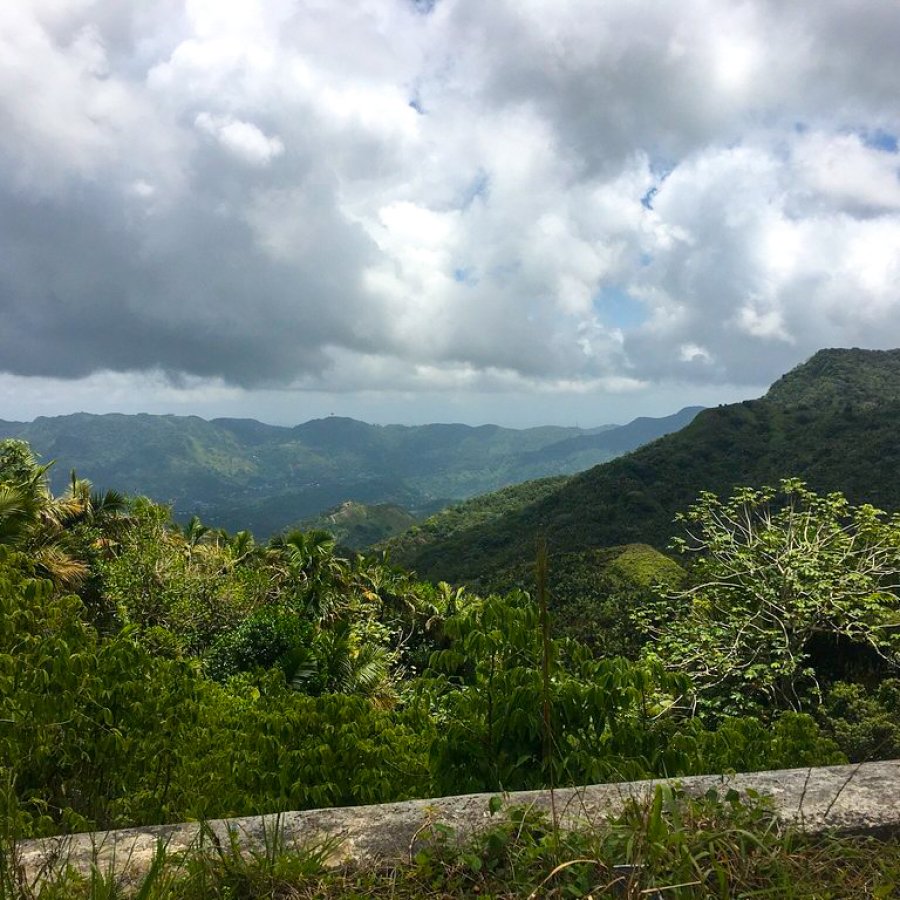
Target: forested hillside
(151,672)
(154,672)
(244,474)
(834,421)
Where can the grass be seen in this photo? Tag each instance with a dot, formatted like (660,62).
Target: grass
(670,847)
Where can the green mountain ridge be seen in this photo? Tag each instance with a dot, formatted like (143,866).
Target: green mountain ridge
(833,421)
(858,378)
(245,474)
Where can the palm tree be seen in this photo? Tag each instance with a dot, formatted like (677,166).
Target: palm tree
(337,662)
(84,506)
(18,512)
(305,565)
(243,547)
(33,520)
(194,534)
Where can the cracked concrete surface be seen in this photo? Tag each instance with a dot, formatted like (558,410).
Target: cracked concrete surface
(857,798)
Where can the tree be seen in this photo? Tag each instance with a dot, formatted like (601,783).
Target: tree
(305,565)
(33,520)
(772,569)
(487,692)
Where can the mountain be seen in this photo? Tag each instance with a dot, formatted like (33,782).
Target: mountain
(244,474)
(359,525)
(612,442)
(861,379)
(833,421)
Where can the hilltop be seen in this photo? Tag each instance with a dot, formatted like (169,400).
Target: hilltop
(355,526)
(860,379)
(834,421)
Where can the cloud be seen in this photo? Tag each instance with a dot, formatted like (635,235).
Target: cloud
(243,139)
(445,196)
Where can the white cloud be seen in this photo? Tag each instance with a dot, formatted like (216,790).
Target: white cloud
(243,139)
(841,173)
(282,193)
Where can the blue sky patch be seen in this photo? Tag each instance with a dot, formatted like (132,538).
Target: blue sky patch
(618,309)
(880,140)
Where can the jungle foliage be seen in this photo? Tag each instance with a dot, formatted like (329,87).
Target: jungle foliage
(154,672)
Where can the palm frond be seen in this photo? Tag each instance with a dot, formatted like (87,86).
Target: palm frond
(18,511)
(59,566)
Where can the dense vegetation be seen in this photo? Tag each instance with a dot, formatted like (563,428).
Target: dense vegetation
(151,672)
(244,474)
(834,421)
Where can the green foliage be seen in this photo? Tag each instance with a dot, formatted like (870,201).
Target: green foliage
(746,744)
(261,641)
(846,379)
(865,724)
(771,570)
(18,464)
(644,567)
(97,732)
(594,593)
(32,520)
(88,727)
(193,587)
(486,692)
(460,518)
(610,719)
(198,674)
(261,747)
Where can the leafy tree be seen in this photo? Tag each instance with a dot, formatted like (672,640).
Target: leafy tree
(771,570)
(487,693)
(157,577)
(264,639)
(306,567)
(345,658)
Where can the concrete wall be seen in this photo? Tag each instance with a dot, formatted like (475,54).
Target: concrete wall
(862,798)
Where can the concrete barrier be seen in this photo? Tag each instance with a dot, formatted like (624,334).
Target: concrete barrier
(849,799)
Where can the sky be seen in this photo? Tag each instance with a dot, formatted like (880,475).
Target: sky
(516,211)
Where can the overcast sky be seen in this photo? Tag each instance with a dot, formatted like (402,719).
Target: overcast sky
(518,211)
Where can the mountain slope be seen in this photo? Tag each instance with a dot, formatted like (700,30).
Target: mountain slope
(358,525)
(834,421)
(244,474)
(614,442)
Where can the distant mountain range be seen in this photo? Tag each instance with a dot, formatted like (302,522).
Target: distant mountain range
(243,474)
(834,421)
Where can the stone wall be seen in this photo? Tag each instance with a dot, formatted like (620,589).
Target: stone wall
(860,798)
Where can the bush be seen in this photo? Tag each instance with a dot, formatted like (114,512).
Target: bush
(258,642)
(866,727)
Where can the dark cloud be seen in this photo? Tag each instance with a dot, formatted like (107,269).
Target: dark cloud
(244,193)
